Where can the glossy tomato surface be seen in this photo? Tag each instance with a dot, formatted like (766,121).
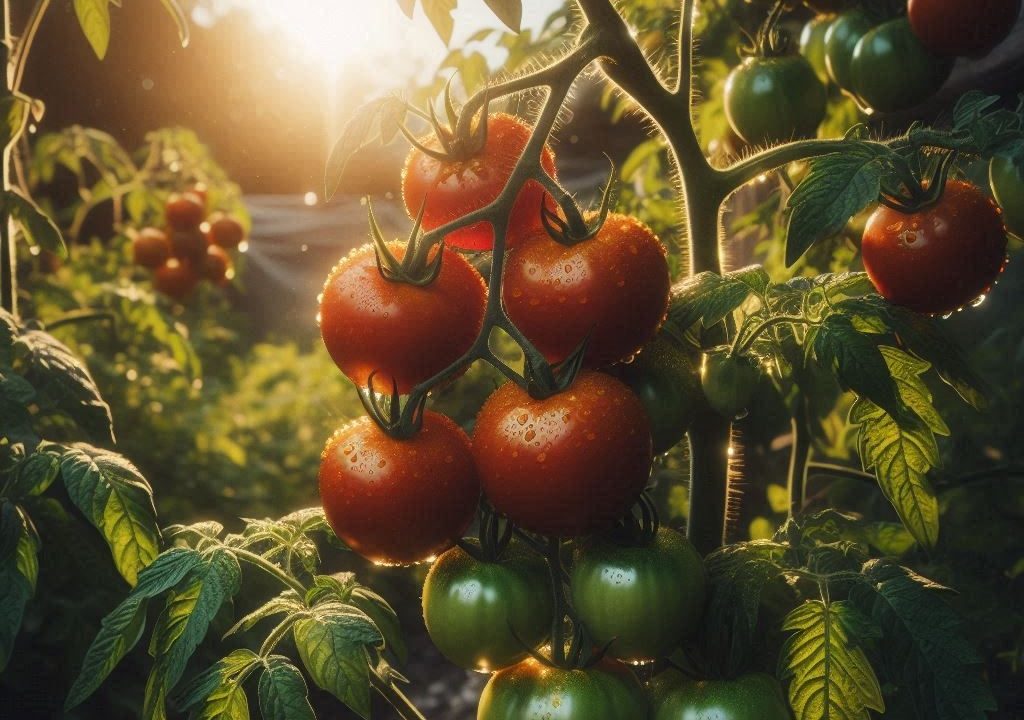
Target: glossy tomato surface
(184,211)
(613,287)
(812,44)
(644,599)
(399,501)
(756,696)
(216,265)
(471,607)
(176,279)
(225,231)
(400,331)
(151,248)
(1007,181)
(729,382)
(955,27)
(841,38)
(605,691)
(891,70)
(189,245)
(568,465)
(770,100)
(939,259)
(456,187)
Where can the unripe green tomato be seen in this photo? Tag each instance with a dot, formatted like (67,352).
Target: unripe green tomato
(645,599)
(756,696)
(841,38)
(469,606)
(607,690)
(770,100)
(812,44)
(891,70)
(1007,181)
(729,382)
(668,385)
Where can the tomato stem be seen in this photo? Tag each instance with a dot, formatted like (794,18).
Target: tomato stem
(396,698)
(799,455)
(554,558)
(270,568)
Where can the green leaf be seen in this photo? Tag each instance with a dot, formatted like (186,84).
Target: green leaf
(331,645)
(970,107)
(37,225)
(94,17)
(359,131)
(706,297)
(901,456)
(18,568)
(122,628)
(283,692)
(830,676)
(286,602)
(385,618)
(180,19)
(200,687)
(926,653)
(35,473)
(754,276)
(63,383)
(439,13)
(118,501)
(14,111)
(836,188)
(510,12)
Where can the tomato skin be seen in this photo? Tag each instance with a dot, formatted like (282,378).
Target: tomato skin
(184,211)
(939,259)
(729,382)
(668,385)
(645,599)
(770,100)
(399,501)
(841,38)
(175,279)
(189,245)
(216,265)
(812,44)
(401,331)
(757,696)
(454,188)
(891,70)
(151,248)
(468,606)
(568,465)
(1007,181)
(957,28)
(605,691)
(614,286)
(225,231)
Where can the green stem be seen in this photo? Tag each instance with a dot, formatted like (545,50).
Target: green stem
(397,699)
(275,636)
(554,559)
(799,456)
(271,569)
(76,317)
(839,471)
(750,337)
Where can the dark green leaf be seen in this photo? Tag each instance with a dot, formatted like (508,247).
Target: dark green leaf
(926,653)
(196,690)
(385,618)
(37,225)
(18,569)
(755,276)
(94,17)
(36,472)
(970,106)
(283,692)
(706,297)
(115,498)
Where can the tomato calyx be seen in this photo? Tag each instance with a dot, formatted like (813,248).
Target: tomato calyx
(414,268)
(575,228)
(460,139)
(396,421)
(543,379)
(770,40)
(634,530)
(918,195)
(494,536)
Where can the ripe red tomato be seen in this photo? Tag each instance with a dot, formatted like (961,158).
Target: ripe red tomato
(401,331)
(613,286)
(176,279)
(150,248)
(399,501)
(941,258)
(567,465)
(456,187)
(201,191)
(216,265)
(225,231)
(958,28)
(184,211)
(189,245)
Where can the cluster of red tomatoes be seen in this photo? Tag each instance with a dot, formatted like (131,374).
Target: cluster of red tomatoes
(565,466)
(192,248)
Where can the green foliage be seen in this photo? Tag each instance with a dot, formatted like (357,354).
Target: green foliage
(94,17)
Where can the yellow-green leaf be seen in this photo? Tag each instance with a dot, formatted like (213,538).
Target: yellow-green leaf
(94,17)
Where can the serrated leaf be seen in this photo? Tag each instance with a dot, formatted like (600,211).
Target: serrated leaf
(180,19)
(283,692)
(37,225)
(359,131)
(36,472)
(755,276)
(906,371)
(118,501)
(199,687)
(122,628)
(830,676)
(510,12)
(94,18)
(286,602)
(926,653)
(63,383)
(706,297)
(331,645)
(836,188)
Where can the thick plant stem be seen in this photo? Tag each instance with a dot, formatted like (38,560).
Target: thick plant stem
(798,456)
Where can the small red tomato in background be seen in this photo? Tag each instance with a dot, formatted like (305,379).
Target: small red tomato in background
(959,28)
(939,259)
(201,191)
(176,279)
(456,187)
(189,245)
(400,331)
(568,465)
(399,501)
(184,211)
(151,248)
(613,286)
(216,265)
(225,231)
